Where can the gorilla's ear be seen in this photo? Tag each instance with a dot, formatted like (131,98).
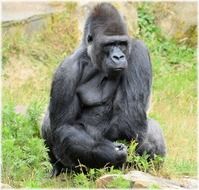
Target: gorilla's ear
(89,38)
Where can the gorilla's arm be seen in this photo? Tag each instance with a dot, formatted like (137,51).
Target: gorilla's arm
(64,103)
(132,124)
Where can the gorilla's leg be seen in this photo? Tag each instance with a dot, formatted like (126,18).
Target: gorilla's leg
(74,145)
(47,136)
(154,143)
(71,145)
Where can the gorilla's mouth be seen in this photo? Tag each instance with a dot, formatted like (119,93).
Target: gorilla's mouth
(118,69)
(115,72)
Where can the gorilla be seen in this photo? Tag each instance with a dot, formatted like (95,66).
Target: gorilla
(99,95)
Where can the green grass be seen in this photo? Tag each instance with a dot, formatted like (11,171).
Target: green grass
(174,102)
(28,66)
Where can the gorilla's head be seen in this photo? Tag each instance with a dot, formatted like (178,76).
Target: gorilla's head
(106,39)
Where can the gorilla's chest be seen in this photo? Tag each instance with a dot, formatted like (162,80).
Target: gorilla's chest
(97,91)
(97,97)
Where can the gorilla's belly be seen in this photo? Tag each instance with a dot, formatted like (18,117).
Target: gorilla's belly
(97,115)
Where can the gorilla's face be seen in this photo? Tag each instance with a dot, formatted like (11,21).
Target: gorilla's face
(109,53)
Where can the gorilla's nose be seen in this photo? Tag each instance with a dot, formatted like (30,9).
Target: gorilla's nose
(117,57)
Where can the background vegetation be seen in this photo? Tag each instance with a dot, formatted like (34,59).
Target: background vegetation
(28,66)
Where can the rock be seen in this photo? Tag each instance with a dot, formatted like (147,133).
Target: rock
(140,179)
(189,183)
(114,181)
(16,11)
(103,181)
(145,180)
(30,16)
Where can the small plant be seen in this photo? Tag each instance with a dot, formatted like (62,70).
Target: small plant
(154,186)
(132,151)
(143,163)
(136,161)
(23,151)
(81,181)
(119,183)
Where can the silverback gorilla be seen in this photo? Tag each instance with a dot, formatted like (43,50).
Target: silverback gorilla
(100,94)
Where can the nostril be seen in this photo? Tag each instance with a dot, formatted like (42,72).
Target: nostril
(116,57)
(122,56)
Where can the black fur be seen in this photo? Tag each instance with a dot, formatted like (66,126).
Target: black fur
(100,94)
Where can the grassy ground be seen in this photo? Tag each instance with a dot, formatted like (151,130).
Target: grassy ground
(28,66)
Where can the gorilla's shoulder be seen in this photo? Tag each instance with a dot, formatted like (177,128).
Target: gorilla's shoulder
(140,52)
(138,44)
(71,65)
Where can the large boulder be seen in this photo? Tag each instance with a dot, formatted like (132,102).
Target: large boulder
(140,180)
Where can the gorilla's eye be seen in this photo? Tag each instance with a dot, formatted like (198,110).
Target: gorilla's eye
(89,38)
(123,43)
(123,46)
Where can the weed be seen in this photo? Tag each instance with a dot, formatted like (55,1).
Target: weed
(119,183)
(143,163)
(24,153)
(154,186)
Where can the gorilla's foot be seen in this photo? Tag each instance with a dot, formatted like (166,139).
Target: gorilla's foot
(120,147)
(121,150)
(57,169)
(154,143)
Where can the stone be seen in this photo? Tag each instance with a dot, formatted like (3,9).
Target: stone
(30,16)
(189,183)
(16,11)
(140,179)
(103,181)
(145,180)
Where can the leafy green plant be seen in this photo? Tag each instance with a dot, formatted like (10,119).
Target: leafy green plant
(154,186)
(24,153)
(146,22)
(143,163)
(81,181)
(119,183)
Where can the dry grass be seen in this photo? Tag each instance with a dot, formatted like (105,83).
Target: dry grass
(24,81)
(177,114)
